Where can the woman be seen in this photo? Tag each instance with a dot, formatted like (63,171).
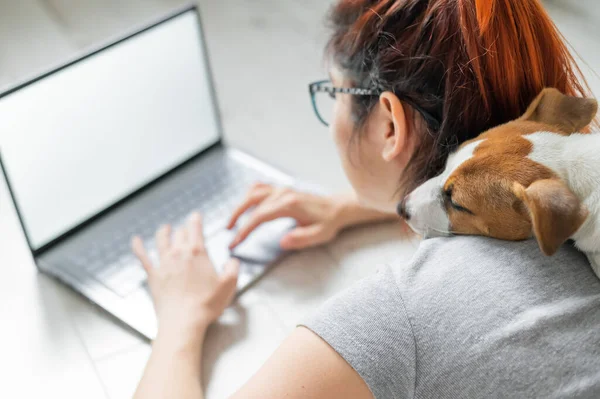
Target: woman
(468,317)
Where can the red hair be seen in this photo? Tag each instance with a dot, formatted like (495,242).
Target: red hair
(470,64)
(528,52)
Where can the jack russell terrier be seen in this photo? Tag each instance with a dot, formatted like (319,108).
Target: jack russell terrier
(533,176)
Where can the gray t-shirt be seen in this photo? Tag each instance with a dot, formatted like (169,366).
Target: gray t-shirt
(472,317)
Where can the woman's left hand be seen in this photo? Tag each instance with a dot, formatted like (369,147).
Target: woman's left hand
(188,293)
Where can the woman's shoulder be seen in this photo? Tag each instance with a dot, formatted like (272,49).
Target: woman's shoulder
(457,249)
(484,307)
(466,275)
(494,264)
(368,326)
(465,309)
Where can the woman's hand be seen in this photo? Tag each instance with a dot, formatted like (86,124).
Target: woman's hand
(188,293)
(319,218)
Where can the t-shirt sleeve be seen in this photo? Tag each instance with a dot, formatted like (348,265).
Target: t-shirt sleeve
(369,327)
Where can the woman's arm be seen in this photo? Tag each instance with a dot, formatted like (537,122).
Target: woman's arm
(319,218)
(189,295)
(174,368)
(305,366)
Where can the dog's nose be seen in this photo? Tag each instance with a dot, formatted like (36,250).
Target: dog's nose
(402,211)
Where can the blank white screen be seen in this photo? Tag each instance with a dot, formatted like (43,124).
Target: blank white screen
(83,138)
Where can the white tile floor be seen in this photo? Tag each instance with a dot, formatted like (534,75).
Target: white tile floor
(54,343)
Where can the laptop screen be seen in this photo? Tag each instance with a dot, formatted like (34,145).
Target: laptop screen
(83,138)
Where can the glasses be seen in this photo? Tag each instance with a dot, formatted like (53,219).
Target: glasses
(323,93)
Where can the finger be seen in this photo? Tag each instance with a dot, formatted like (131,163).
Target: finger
(303,237)
(254,198)
(228,280)
(259,217)
(137,245)
(163,239)
(180,237)
(195,234)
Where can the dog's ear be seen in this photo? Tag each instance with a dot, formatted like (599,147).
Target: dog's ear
(568,114)
(555,212)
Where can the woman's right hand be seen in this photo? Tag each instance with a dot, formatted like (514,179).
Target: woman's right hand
(319,219)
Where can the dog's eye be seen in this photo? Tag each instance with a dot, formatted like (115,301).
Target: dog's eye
(460,208)
(448,198)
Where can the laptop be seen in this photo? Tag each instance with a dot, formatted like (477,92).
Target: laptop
(117,143)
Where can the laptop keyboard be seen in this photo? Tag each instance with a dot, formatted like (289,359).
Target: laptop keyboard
(214,193)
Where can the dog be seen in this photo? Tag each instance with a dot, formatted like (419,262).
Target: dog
(534,176)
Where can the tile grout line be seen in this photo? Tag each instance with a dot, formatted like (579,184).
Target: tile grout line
(122,351)
(284,326)
(328,251)
(280,323)
(89,356)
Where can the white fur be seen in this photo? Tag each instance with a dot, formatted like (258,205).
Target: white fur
(576,160)
(426,203)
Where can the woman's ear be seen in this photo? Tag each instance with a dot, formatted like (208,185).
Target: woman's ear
(394,129)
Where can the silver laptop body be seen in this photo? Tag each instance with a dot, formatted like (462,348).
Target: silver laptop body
(116,143)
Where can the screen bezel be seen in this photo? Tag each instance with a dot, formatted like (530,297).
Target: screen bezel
(189,8)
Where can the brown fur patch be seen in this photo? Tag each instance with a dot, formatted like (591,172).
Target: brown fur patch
(556,213)
(478,186)
(564,113)
(483,200)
